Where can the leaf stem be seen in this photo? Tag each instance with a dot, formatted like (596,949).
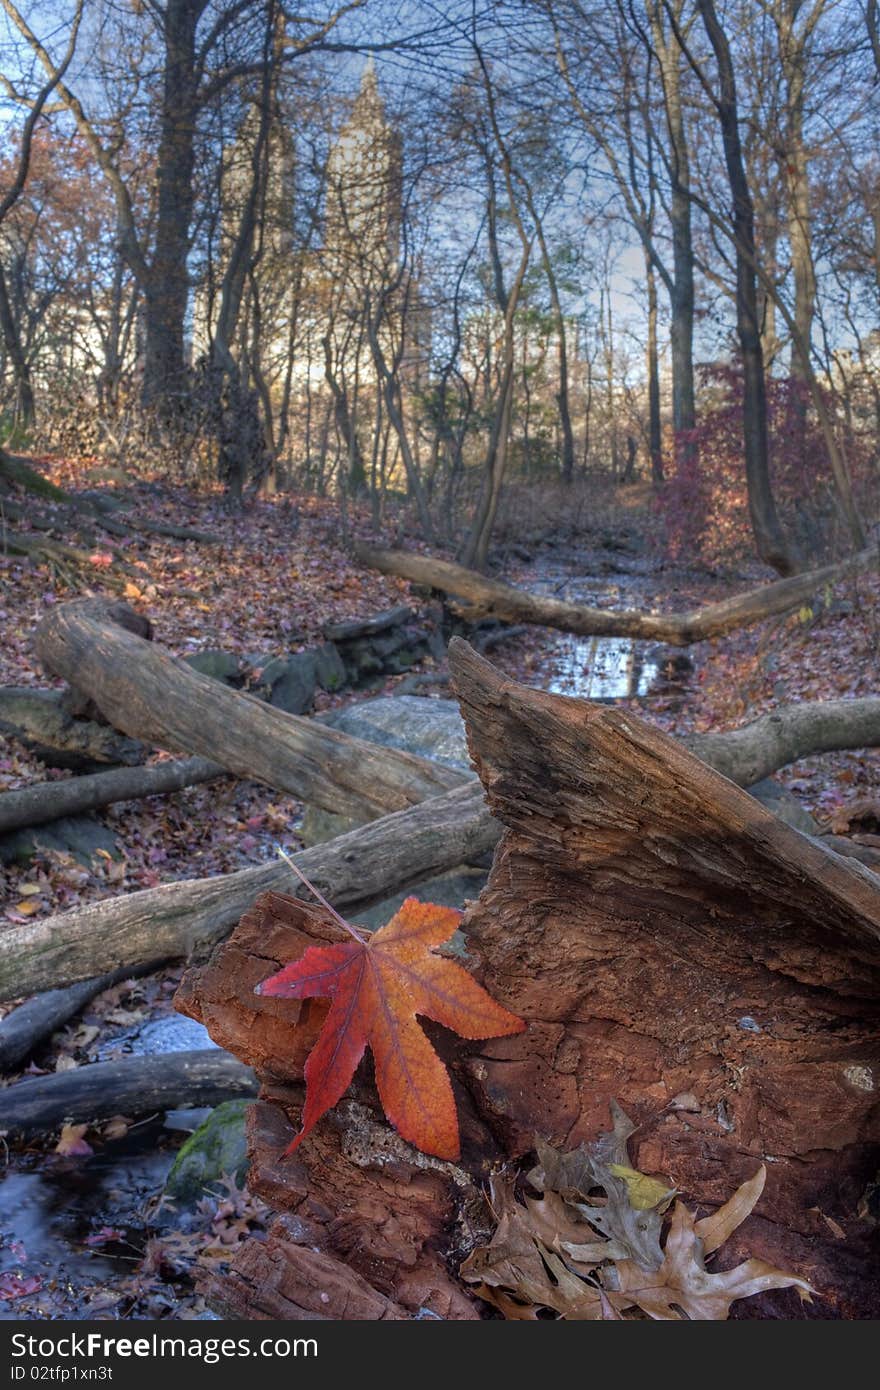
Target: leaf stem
(352,931)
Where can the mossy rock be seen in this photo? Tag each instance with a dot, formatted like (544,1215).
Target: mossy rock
(217,1149)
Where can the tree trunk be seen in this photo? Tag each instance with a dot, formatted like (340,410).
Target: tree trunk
(47,801)
(493,598)
(25,1027)
(38,718)
(144,691)
(770,542)
(167,287)
(671,946)
(681,288)
(655,425)
(25,409)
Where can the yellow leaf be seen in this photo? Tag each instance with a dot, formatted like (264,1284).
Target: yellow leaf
(27,907)
(132,591)
(28,890)
(644,1192)
(805,614)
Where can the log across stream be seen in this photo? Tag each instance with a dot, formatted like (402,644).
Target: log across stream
(593,668)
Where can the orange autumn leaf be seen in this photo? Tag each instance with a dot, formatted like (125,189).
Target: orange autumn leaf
(377,987)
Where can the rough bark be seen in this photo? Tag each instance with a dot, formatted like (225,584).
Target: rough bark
(146,692)
(46,801)
(132,1086)
(493,598)
(661,933)
(38,718)
(179,919)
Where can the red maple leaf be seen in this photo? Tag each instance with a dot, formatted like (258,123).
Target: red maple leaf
(377,986)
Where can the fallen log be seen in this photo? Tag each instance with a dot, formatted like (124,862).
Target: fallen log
(151,695)
(671,945)
(786,734)
(38,718)
(495,599)
(178,919)
(132,1086)
(25,1027)
(46,801)
(390,853)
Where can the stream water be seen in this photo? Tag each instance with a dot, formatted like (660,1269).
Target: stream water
(70,1226)
(595,668)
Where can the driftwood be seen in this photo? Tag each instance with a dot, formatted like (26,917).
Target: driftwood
(46,801)
(132,1086)
(151,695)
(38,718)
(493,598)
(662,934)
(177,919)
(25,1027)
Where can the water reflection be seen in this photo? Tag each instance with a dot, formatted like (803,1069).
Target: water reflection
(602,668)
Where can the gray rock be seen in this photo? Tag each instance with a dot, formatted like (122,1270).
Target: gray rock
(329,667)
(81,836)
(785,805)
(216,1150)
(292,682)
(220,666)
(367,627)
(431,728)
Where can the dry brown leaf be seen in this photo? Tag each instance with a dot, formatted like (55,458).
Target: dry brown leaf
(517,1265)
(714,1230)
(682,1284)
(550,1220)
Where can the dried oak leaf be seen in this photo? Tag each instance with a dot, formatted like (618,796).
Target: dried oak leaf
(682,1284)
(377,987)
(519,1274)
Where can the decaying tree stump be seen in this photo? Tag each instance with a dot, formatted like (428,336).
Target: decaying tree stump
(670,943)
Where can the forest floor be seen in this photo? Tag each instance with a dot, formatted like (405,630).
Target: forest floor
(279,573)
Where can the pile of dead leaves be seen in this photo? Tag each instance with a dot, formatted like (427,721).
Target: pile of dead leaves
(607,1242)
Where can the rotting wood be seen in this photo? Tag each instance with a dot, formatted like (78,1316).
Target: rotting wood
(663,934)
(493,598)
(388,854)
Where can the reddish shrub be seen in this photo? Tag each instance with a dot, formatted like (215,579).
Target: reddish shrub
(704,505)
